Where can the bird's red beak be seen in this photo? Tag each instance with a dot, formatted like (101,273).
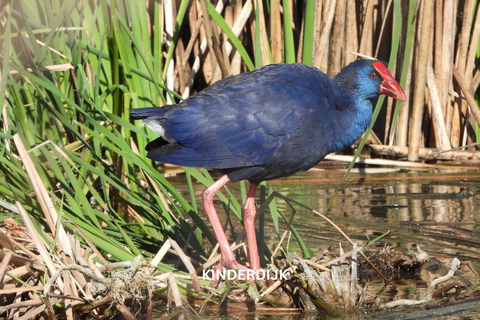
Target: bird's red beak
(389,86)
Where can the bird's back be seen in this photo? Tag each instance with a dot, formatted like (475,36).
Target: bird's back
(260,125)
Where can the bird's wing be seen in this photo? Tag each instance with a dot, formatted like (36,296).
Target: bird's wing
(240,121)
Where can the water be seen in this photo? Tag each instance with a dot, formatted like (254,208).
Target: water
(436,210)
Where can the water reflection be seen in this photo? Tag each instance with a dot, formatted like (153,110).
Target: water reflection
(443,199)
(438,211)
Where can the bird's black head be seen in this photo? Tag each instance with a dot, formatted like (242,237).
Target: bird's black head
(366,80)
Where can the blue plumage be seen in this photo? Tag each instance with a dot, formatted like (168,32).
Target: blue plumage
(268,123)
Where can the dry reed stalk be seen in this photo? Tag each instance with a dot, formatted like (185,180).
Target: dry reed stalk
(351,37)
(169,29)
(441,134)
(159,192)
(236,61)
(366,38)
(337,41)
(241,17)
(276,31)
(464,37)
(438,53)
(320,9)
(197,61)
(193,45)
(324,38)
(385,20)
(39,242)
(476,81)
(404,113)
(263,34)
(468,95)
(418,105)
(461,111)
(449,14)
(228,16)
(213,41)
(472,52)
(300,42)
(43,197)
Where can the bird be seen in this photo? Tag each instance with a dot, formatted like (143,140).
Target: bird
(265,124)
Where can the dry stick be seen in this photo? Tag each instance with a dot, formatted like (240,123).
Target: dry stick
(420,81)
(278,247)
(274,194)
(382,162)
(317,265)
(92,247)
(187,263)
(426,153)
(4,265)
(23,304)
(39,243)
(26,251)
(274,286)
(19,272)
(172,283)
(443,142)
(216,257)
(160,254)
(343,256)
(32,313)
(468,95)
(21,289)
(353,278)
(404,302)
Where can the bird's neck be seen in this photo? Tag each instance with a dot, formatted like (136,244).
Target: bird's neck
(354,114)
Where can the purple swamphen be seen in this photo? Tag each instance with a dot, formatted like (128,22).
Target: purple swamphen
(266,124)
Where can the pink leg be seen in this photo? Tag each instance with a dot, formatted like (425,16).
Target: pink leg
(228,258)
(249,213)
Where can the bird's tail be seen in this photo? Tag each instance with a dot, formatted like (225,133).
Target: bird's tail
(143,113)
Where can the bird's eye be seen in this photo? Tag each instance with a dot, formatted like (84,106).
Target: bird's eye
(373,75)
